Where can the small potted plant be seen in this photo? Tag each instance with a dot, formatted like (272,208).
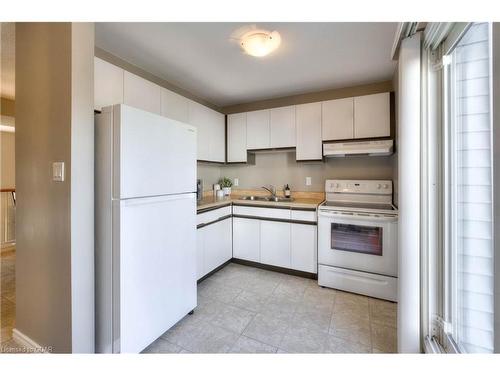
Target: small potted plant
(225,183)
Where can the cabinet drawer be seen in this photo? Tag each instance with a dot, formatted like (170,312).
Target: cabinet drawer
(273,213)
(207,217)
(304,215)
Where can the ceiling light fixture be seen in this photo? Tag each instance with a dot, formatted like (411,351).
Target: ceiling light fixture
(260,43)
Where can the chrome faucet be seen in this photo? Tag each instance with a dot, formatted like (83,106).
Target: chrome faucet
(271,189)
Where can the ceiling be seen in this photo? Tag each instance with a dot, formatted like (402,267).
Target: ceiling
(205,58)
(7,60)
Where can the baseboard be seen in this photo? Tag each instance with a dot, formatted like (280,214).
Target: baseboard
(28,343)
(268,267)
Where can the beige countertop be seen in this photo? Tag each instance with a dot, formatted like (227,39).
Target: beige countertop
(299,202)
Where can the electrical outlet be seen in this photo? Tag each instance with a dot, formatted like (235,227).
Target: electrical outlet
(58,171)
(308,181)
(236,182)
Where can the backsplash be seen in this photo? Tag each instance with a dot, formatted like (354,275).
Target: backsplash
(281,168)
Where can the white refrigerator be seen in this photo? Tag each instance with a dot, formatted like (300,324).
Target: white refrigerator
(145,205)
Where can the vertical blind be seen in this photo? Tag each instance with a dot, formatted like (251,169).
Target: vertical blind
(472,191)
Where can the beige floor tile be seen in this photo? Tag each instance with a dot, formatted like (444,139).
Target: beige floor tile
(207,338)
(316,320)
(303,340)
(162,346)
(383,312)
(280,306)
(250,301)
(351,327)
(247,345)
(384,338)
(338,345)
(267,329)
(233,318)
(346,303)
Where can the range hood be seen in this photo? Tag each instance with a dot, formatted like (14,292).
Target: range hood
(369,148)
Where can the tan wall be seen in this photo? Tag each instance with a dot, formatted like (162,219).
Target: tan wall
(279,169)
(209,173)
(44,120)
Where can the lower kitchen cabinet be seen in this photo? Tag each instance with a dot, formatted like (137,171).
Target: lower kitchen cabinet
(275,243)
(214,246)
(246,239)
(304,254)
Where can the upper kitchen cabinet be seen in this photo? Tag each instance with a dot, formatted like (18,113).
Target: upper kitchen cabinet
(174,106)
(140,93)
(217,143)
(108,84)
(258,130)
(372,116)
(237,138)
(337,119)
(308,123)
(210,127)
(282,133)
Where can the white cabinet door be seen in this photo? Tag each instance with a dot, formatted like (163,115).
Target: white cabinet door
(275,243)
(283,127)
(108,84)
(217,140)
(308,122)
(372,116)
(198,117)
(258,129)
(246,239)
(174,106)
(337,119)
(200,253)
(237,138)
(141,93)
(218,244)
(304,248)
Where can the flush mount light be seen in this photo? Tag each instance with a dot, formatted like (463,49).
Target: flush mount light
(260,43)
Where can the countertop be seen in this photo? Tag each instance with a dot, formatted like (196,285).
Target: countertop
(212,202)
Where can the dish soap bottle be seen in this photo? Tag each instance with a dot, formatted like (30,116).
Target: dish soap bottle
(287,191)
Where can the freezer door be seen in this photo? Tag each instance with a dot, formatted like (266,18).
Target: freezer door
(154,267)
(153,155)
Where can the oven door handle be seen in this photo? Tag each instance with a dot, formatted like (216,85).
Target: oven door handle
(357,216)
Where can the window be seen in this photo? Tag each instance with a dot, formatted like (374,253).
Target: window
(468,192)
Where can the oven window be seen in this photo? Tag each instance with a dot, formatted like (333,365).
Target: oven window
(357,238)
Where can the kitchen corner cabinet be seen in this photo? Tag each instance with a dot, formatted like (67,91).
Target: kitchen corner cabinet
(304,253)
(140,93)
(372,116)
(275,243)
(108,84)
(174,106)
(237,138)
(258,129)
(282,127)
(214,246)
(246,239)
(214,240)
(211,132)
(308,123)
(337,119)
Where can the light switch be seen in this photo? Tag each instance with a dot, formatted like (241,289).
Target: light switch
(236,182)
(58,171)
(308,181)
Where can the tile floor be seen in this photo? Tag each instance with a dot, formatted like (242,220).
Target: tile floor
(248,310)
(7,300)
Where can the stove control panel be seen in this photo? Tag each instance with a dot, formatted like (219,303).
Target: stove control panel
(377,187)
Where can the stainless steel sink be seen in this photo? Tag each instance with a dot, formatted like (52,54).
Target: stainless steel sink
(279,199)
(266,199)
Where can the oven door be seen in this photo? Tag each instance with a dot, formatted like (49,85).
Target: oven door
(358,241)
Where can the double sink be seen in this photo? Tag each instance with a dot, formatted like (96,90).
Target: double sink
(266,199)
